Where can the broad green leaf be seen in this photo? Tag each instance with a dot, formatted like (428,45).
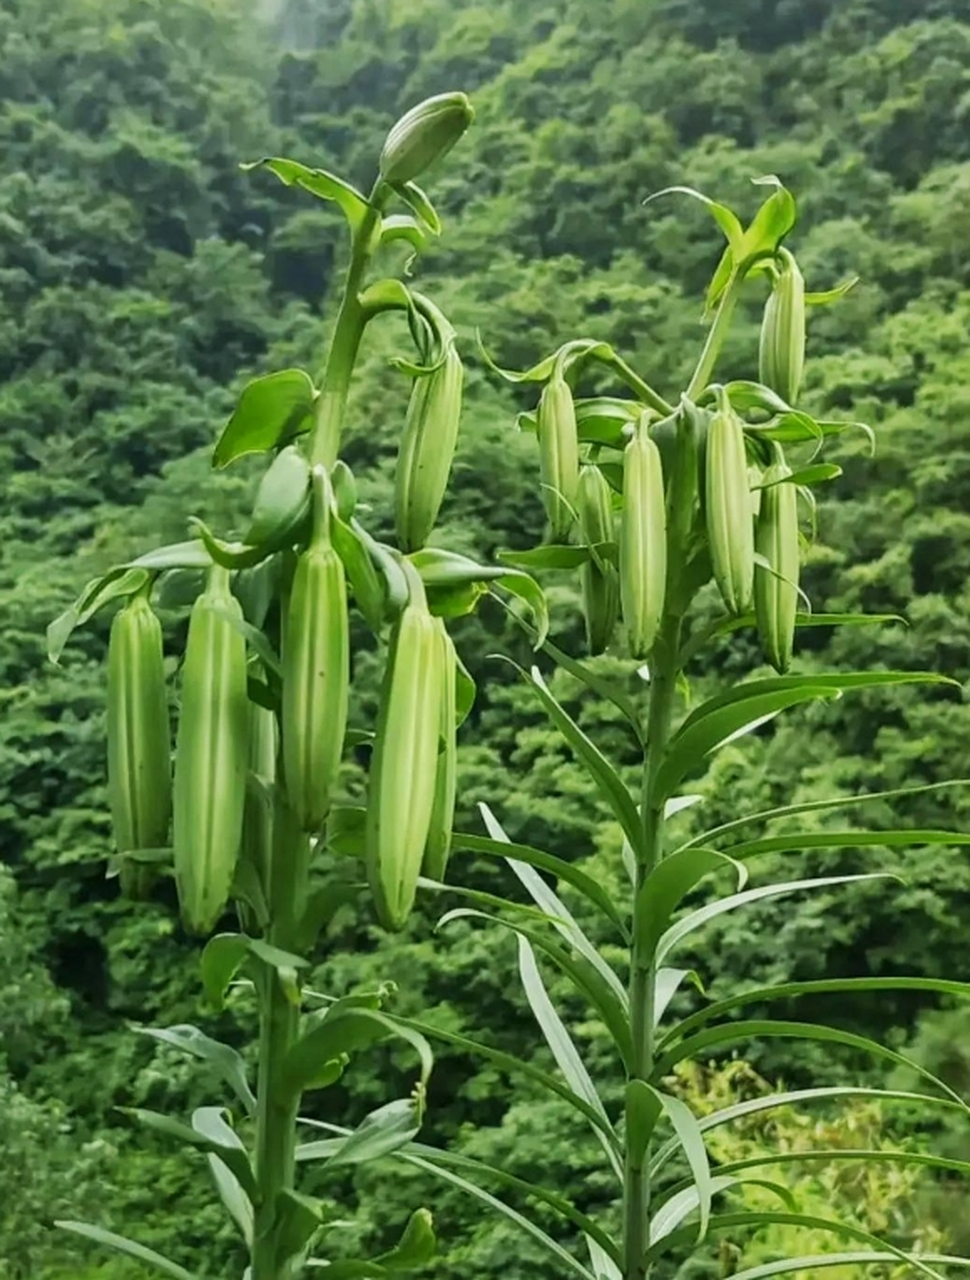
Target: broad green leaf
(221,958)
(115,584)
(666,887)
(698,1045)
(130,1247)
(347,1027)
(546,557)
(419,204)
(590,888)
(367,584)
(319,182)
(210,1122)
(814,474)
(282,499)
(769,226)
(555,909)
(607,780)
(704,733)
(685,926)
(379,1133)
(178,555)
(441,570)
(387,295)
(271,411)
(465,691)
(722,717)
(231,555)
(227,1062)
(402,226)
(323,900)
(231,1153)
(416,1246)
(816,986)
(297,1218)
(224,953)
(517,1066)
(560,1043)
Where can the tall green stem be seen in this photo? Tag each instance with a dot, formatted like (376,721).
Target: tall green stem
(286,878)
(348,331)
(663,683)
(277,1106)
(715,339)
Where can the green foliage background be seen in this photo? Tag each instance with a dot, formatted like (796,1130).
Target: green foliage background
(143,278)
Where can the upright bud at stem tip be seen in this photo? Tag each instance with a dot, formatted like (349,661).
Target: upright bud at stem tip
(423,135)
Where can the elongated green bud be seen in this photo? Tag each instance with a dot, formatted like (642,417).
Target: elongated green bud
(727,509)
(423,135)
(404,764)
(782,352)
(316,671)
(139,741)
(427,450)
(776,592)
(643,542)
(211,756)
(600,581)
(558,456)
(438,845)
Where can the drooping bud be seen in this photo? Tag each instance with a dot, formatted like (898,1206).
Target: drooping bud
(558,456)
(211,756)
(316,670)
(427,450)
(600,581)
(403,773)
(643,542)
(728,509)
(139,744)
(423,135)
(782,352)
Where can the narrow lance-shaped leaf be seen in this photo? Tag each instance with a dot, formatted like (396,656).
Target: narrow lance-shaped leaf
(556,910)
(129,1247)
(600,770)
(680,930)
(559,1041)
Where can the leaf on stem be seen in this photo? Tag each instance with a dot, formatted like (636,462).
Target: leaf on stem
(227,1062)
(271,411)
(129,1247)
